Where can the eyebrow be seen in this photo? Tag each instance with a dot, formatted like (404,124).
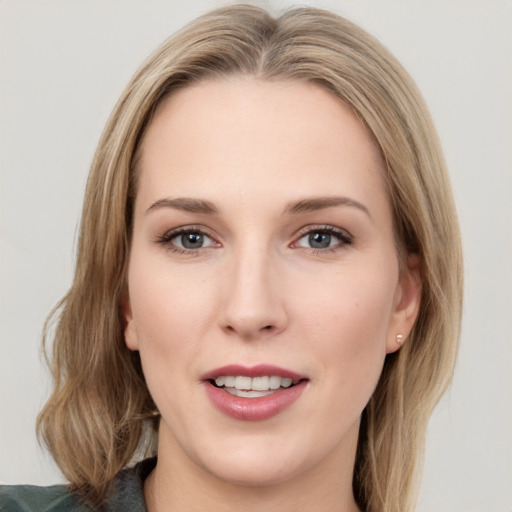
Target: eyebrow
(311,204)
(321,203)
(186,204)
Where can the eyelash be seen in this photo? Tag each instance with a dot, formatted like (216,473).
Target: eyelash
(343,237)
(167,237)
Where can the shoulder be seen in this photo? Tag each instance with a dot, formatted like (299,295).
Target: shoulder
(31,498)
(127,494)
(128,488)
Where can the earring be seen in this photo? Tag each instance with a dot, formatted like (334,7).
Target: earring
(399,339)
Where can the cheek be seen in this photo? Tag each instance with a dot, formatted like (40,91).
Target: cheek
(348,319)
(170,313)
(167,330)
(166,302)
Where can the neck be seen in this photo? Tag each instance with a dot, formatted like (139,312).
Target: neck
(178,484)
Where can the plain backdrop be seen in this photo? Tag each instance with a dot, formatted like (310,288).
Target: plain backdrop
(62,66)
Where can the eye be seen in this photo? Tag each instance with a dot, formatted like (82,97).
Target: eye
(186,239)
(191,240)
(327,237)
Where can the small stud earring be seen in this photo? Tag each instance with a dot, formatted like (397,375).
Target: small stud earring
(399,338)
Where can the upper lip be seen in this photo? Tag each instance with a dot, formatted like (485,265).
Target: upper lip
(259,370)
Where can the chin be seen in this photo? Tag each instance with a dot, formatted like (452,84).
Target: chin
(255,472)
(259,461)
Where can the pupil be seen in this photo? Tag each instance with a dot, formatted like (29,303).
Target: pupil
(192,240)
(319,240)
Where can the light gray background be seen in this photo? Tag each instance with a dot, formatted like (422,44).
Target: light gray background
(64,63)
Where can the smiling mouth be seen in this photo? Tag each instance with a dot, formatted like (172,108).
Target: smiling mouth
(253,387)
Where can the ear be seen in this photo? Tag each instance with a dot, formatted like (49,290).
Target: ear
(130,332)
(406,305)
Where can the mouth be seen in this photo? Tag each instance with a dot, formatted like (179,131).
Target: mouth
(253,393)
(253,387)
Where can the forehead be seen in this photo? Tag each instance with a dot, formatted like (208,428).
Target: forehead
(242,134)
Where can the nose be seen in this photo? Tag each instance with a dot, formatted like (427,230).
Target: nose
(254,298)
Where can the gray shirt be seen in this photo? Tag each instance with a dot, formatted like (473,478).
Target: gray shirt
(127,495)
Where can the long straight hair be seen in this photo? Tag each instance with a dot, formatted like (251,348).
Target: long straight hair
(93,423)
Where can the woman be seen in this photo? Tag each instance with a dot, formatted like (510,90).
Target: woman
(268,275)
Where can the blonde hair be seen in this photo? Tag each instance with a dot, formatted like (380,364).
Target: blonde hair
(94,420)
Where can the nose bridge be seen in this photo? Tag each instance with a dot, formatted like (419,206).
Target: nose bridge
(253,304)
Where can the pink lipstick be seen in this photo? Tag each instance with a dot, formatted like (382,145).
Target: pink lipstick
(253,393)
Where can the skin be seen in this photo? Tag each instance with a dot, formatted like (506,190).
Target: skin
(257,292)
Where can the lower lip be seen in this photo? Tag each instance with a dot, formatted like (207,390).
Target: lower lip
(254,409)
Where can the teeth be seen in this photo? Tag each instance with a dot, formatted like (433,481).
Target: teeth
(255,384)
(229,382)
(286,383)
(243,382)
(248,394)
(274,382)
(260,383)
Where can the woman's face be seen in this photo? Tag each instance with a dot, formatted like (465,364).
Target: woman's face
(264,285)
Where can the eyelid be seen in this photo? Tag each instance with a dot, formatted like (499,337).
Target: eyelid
(345,238)
(165,238)
(343,235)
